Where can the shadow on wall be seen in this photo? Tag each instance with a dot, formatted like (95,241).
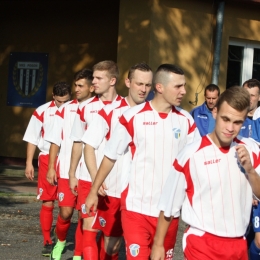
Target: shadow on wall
(75,34)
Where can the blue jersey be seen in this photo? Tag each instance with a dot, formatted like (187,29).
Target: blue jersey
(246,129)
(203,118)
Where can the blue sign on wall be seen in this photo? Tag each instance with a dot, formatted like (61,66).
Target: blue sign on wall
(27,79)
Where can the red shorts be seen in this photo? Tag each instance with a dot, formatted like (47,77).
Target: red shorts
(108,217)
(65,197)
(201,245)
(83,191)
(46,191)
(139,231)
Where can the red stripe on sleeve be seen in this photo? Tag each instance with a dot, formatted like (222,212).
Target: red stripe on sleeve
(186,171)
(129,126)
(108,119)
(256,158)
(60,113)
(81,114)
(39,117)
(191,128)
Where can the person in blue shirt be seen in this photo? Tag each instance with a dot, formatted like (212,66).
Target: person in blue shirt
(203,114)
(253,87)
(251,128)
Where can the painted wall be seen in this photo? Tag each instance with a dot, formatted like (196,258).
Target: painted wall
(75,34)
(183,33)
(78,34)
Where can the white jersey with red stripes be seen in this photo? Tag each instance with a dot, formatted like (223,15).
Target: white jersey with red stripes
(60,135)
(211,187)
(99,131)
(87,110)
(39,125)
(154,140)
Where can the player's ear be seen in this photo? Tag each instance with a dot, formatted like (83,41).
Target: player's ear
(113,81)
(127,82)
(159,87)
(91,88)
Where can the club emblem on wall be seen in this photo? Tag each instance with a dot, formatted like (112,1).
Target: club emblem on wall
(27,77)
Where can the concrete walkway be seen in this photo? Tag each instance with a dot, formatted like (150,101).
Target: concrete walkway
(13,180)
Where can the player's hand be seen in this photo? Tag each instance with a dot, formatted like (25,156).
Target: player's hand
(244,158)
(91,202)
(157,253)
(74,185)
(52,177)
(101,190)
(29,172)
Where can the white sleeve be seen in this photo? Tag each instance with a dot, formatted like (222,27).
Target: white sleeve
(96,132)
(33,132)
(54,133)
(118,142)
(78,127)
(173,194)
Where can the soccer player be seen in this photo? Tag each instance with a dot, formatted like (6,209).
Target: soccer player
(155,132)
(203,114)
(34,135)
(108,218)
(105,77)
(61,144)
(212,182)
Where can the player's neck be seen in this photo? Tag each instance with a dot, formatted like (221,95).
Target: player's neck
(213,136)
(251,113)
(160,106)
(83,99)
(130,101)
(109,95)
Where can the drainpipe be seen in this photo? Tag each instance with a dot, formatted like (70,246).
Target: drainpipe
(218,38)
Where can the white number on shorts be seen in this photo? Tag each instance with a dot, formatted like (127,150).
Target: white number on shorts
(256,222)
(169,254)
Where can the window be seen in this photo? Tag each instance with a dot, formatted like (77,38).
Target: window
(243,62)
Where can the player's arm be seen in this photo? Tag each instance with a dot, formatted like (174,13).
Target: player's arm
(51,174)
(253,177)
(76,153)
(90,160)
(29,170)
(106,166)
(158,252)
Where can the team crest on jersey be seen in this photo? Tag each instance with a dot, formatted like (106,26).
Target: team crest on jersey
(61,196)
(134,250)
(177,133)
(102,222)
(40,193)
(83,209)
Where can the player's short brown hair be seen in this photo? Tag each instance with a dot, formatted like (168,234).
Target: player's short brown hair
(236,97)
(61,89)
(86,74)
(142,66)
(252,83)
(162,72)
(109,66)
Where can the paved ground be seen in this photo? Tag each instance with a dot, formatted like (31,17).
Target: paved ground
(20,236)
